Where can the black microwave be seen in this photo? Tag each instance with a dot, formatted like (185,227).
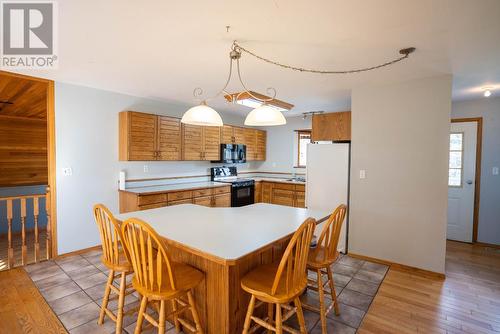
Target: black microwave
(233,153)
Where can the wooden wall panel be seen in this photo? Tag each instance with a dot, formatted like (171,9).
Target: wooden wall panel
(23,151)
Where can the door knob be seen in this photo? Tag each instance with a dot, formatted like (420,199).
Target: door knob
(469,181)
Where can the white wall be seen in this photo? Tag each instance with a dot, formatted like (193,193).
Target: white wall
(489,210)
(400,136)
(282,146)
(87,141)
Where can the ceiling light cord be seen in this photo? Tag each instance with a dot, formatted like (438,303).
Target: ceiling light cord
(404,52)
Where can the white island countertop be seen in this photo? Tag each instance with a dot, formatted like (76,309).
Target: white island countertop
(226,234)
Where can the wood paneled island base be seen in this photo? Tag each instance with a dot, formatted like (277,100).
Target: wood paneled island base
(221,302)
(228,243)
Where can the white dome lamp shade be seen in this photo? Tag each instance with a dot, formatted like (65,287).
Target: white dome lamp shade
(265,115)
(202,114)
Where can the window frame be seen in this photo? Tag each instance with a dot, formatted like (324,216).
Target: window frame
(461,168)
(299,132)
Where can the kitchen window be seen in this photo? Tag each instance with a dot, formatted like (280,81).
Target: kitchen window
(455,167)
(303,138)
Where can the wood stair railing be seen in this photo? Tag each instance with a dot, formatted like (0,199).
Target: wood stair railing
(10,200)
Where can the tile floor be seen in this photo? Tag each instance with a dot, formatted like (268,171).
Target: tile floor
(74,286)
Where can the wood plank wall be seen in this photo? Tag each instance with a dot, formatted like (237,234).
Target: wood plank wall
(23,151)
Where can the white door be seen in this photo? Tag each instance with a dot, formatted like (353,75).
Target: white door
(461,180)
(327,181)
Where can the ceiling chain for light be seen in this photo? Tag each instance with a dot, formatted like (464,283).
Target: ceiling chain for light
(404,52)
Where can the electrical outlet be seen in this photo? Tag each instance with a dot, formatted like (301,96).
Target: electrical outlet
(67,171)
(494,170)
(362,174)
(146,169)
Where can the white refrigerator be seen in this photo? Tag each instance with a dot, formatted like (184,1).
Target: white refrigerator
(327,181)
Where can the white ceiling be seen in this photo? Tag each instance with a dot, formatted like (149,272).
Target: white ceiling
(164,49)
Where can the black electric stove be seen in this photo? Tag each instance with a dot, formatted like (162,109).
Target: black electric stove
(242,189)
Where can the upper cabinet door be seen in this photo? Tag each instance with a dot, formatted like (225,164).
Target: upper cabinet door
(239,135)
(261,145)
(227,134)
(251,143)
(211,143)
(169,138)
(138,136)
(192,139)
(331,126)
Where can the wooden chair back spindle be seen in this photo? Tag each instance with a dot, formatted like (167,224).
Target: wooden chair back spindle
(330,234)
(148,256)
(110,233)
(294,260)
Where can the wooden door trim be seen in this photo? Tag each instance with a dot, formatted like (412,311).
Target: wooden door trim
(51,151)
(477,177)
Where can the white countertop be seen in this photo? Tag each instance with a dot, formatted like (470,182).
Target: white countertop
(174,187)
(276,179)
(226,233)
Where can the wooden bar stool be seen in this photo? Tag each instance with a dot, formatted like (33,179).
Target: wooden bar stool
(320,260)
(159,279)
(115,258)
(280,283)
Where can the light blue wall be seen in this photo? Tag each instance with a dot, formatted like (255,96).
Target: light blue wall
(87,141)
(489,207)
(16,221)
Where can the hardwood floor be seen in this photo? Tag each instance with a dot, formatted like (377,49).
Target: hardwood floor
(467,301)
(22,307)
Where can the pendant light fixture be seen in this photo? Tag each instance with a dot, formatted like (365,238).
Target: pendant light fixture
(268,110)
(202,114)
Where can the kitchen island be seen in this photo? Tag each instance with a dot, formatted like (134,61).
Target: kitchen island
(225,243)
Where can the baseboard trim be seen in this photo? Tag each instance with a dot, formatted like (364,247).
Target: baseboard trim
(484,244)
(78,252)
(401,267)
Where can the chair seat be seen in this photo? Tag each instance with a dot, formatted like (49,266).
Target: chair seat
(318,260)
(186,278)
(122,265)
(259,282)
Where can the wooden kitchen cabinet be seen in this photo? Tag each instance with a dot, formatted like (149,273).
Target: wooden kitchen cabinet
(211,143)
(205,201)
(280,193)
(222,200)
(331,126)
(258,192)
(260,150)
(138,136)
(169,138)
(232,135)
(283,197)
(211,197)
(255,141)
(267,192)
(149,137)
(200,142)
(146,137)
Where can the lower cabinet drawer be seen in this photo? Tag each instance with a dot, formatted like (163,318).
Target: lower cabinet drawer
(205,201)
(284,186)
(152,206)
(150,199)
(202,192)
(182,201)
(179,195)
(222,190)
(300,187)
